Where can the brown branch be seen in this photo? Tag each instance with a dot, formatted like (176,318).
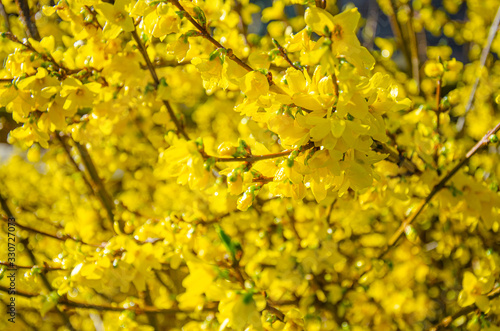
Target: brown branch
(206,35)
(370,28)
(19,293)
(46,234)
(100,190)
(439,186)
(279,314)
(445,322)
(320,4)
(25,16)
(255,158)
(43,268)
(59,68)
(395,157)
(165,63)
(438,96)
(396,29)
(242,276)
(229,52)
(263,179)
(293,225)
(482,61)
(73,162)
(5,17)
(244,28)
(20,317)
(152,318)
(415,62)
(45,56)
(32,257)
(284,55)
(138,310)
(152,71)
(144,53)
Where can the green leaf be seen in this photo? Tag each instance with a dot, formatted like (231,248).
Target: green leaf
(49,302)
(226,240)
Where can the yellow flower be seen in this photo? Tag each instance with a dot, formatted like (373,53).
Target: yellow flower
(474,290)
(226,149)
(294,320)
(254,84)
(79,95)
(341,29)
(30,133)
(433,69)
(289,130)
(179,49)
(117,17)
(245,201)
(239,311)
(162,21)
(211,71)
(184,161)
(235,184)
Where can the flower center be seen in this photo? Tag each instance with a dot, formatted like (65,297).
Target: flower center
(337,32)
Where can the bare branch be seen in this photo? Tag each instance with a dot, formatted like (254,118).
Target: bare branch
(152,71)
(32,257)
(25,16)
(445,322)
(439,186)
(482,61)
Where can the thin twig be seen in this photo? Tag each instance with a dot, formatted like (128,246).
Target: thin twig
(415,62)
(152,318)
(5,17)
(100,190)
(32,257)
(93,189)
(482,62)
(152,71)
(244,28)
(45,56)
(165,63)
(73,162)
(438,96)
(242,276)
(284,55)
(137,310)
(370,28)
(25,16)
(43,268)
(20,317)
(395,157)
(53,236)
(396,29)
(279,314)
(439,186)
(229,52)
(321,4)
(207,36)
(445,322)
(293,224)
(255,158)
(330,210)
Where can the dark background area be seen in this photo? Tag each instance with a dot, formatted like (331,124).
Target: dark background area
(383,27)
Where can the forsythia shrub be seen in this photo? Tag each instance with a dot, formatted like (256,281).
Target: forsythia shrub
(178,169)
